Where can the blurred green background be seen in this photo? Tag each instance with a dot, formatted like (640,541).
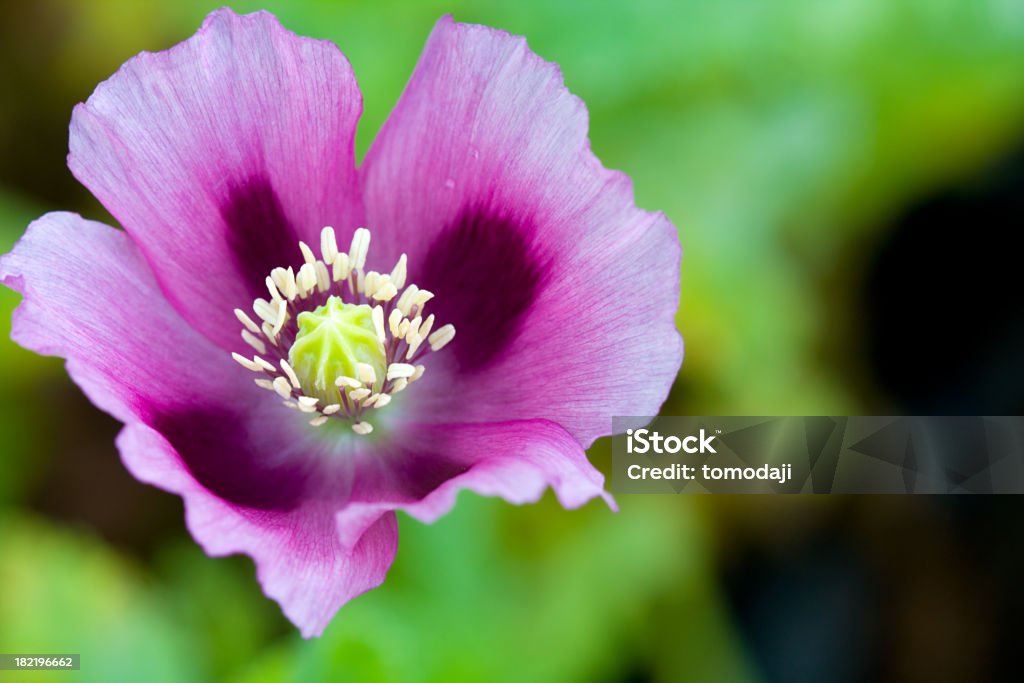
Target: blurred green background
(828,165)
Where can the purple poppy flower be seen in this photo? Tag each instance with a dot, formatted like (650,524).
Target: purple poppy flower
(224,158)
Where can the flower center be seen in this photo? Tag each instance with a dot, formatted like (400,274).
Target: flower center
(337,341)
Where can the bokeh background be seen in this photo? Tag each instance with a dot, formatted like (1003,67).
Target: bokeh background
(847,179)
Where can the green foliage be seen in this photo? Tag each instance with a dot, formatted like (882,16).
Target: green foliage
(66,592)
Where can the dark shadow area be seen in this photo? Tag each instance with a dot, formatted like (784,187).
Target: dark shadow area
(945,325)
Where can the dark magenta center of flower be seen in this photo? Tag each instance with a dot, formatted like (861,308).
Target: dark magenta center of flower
(486,271)
(258,231)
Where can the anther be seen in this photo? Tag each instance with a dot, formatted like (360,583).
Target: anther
(281,386)
(247,321)
(359,394)
(400,371)
(399,272)
(307,254)
(339,271)
(246,363)
(253,341)
(328,244)
(439,339)
(360,246)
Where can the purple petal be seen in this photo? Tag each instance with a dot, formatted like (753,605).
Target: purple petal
(300,560)
(252,478)
(423,467)
(90,298)
(219,154)
(563,293)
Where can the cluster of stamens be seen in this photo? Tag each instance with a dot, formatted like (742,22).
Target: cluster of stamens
(329,284)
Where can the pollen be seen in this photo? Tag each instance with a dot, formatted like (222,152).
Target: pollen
(336,341)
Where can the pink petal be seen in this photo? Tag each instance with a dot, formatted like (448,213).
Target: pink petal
(563,293)
(424,466)
(300,560)
(90,298)
(219,154)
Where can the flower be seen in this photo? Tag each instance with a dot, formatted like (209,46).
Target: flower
(543,302)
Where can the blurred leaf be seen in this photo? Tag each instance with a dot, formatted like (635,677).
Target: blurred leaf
(18,366)
(220,603)
(24,373)
(69,594)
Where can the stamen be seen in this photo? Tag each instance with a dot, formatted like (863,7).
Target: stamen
(399,272)
(400,370)
(307,404)
(264,310)
(360,280)
(306,279)
(246,363)
(360,246)
(394,321)
(253,341)
(282,314)
(440,339)
(292,377)
(414,329)
(337,335)
(268,332)
(272,288)
(426,326)
(307,253)
(359,394)
(328,244)
(339,270)
(371,282)
(422,297)
(366,374)
(282,387)
(386,293)
(378,323)
(422,331)
(247,321)
(285,281)
(405,301)
(323,278)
